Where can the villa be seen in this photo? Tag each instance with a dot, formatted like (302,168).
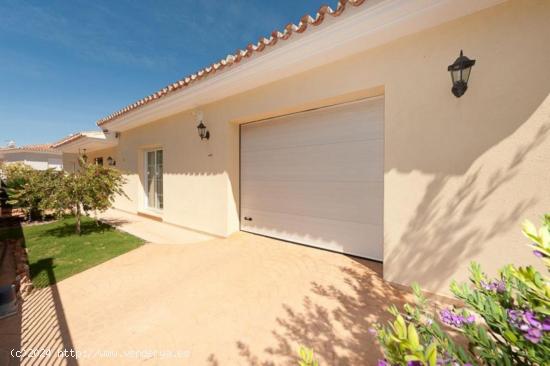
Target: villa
(413,133)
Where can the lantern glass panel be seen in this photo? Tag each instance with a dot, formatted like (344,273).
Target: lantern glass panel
(466,74)
(455,75)
(202,130)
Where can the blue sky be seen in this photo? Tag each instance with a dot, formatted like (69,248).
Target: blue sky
(65,64)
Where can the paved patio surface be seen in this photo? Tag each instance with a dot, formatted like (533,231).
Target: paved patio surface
(150,230)
(246,300)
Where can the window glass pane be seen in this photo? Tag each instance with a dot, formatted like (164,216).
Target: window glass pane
(159,193)
(159,176)
(154,178)
(150,159)
(150,174)
(159,157)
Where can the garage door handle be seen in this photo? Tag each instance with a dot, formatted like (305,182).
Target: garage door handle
(248,218)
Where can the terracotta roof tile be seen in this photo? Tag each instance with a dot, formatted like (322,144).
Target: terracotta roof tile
(68,139)
(36,147)
(235,58)
(76,136)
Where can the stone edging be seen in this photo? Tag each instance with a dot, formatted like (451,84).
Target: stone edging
(23,282)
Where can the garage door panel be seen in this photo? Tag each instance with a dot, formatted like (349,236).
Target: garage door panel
(317,178)
(317,162)
(364,121)
(340,236)
(361,202)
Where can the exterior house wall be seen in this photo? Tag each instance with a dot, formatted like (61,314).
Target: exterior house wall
(36,160)
(128,203)
(460,173)
(70,162)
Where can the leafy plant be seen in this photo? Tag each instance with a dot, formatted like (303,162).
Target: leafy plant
(92,187)
(504,320)
(26,188)
(307,357)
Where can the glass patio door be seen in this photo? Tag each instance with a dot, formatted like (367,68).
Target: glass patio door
(153,190)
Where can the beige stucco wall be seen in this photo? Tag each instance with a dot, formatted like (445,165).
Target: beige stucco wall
(70,162)
(460,174)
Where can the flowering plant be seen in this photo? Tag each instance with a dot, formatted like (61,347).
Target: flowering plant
(504,320)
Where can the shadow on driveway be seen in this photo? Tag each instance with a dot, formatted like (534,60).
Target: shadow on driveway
(39,331)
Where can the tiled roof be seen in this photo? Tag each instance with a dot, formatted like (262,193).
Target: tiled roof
(37,147)
(66,140)
(76,136)
(234,59)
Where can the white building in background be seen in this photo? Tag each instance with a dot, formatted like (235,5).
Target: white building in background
(39,157)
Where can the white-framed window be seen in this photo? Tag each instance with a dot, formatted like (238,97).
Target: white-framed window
(153,179)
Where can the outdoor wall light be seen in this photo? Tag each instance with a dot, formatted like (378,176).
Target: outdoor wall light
(204,134)
(84,156)
(203,131)
(460,73)
(111,161)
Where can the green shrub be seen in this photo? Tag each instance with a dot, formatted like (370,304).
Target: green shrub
(504,320)
(92,187)
(27,188)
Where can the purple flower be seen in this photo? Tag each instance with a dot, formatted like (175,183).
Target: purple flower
(383,363)
(446,316)
(485,285)
(451,318)
(533,335)
(414,363)
(532,321)
(538,254)
(513,314)
(526,321)
(500,286)
(497,286)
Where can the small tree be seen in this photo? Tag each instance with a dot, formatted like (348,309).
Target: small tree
(25,188)
(91,188)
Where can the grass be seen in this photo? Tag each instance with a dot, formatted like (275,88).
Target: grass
(56,252)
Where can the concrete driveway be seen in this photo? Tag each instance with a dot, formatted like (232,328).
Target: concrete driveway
(246,300)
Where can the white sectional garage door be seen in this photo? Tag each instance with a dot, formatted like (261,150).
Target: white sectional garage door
(317,178)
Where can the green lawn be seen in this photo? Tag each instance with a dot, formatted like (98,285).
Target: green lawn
(56,252)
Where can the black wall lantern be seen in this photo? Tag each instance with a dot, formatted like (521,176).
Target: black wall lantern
(460,73)
(204,134)
(111,161)
(203,131)
(84,156)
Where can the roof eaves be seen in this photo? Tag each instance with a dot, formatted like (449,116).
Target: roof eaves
(68,139)
(239,55)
